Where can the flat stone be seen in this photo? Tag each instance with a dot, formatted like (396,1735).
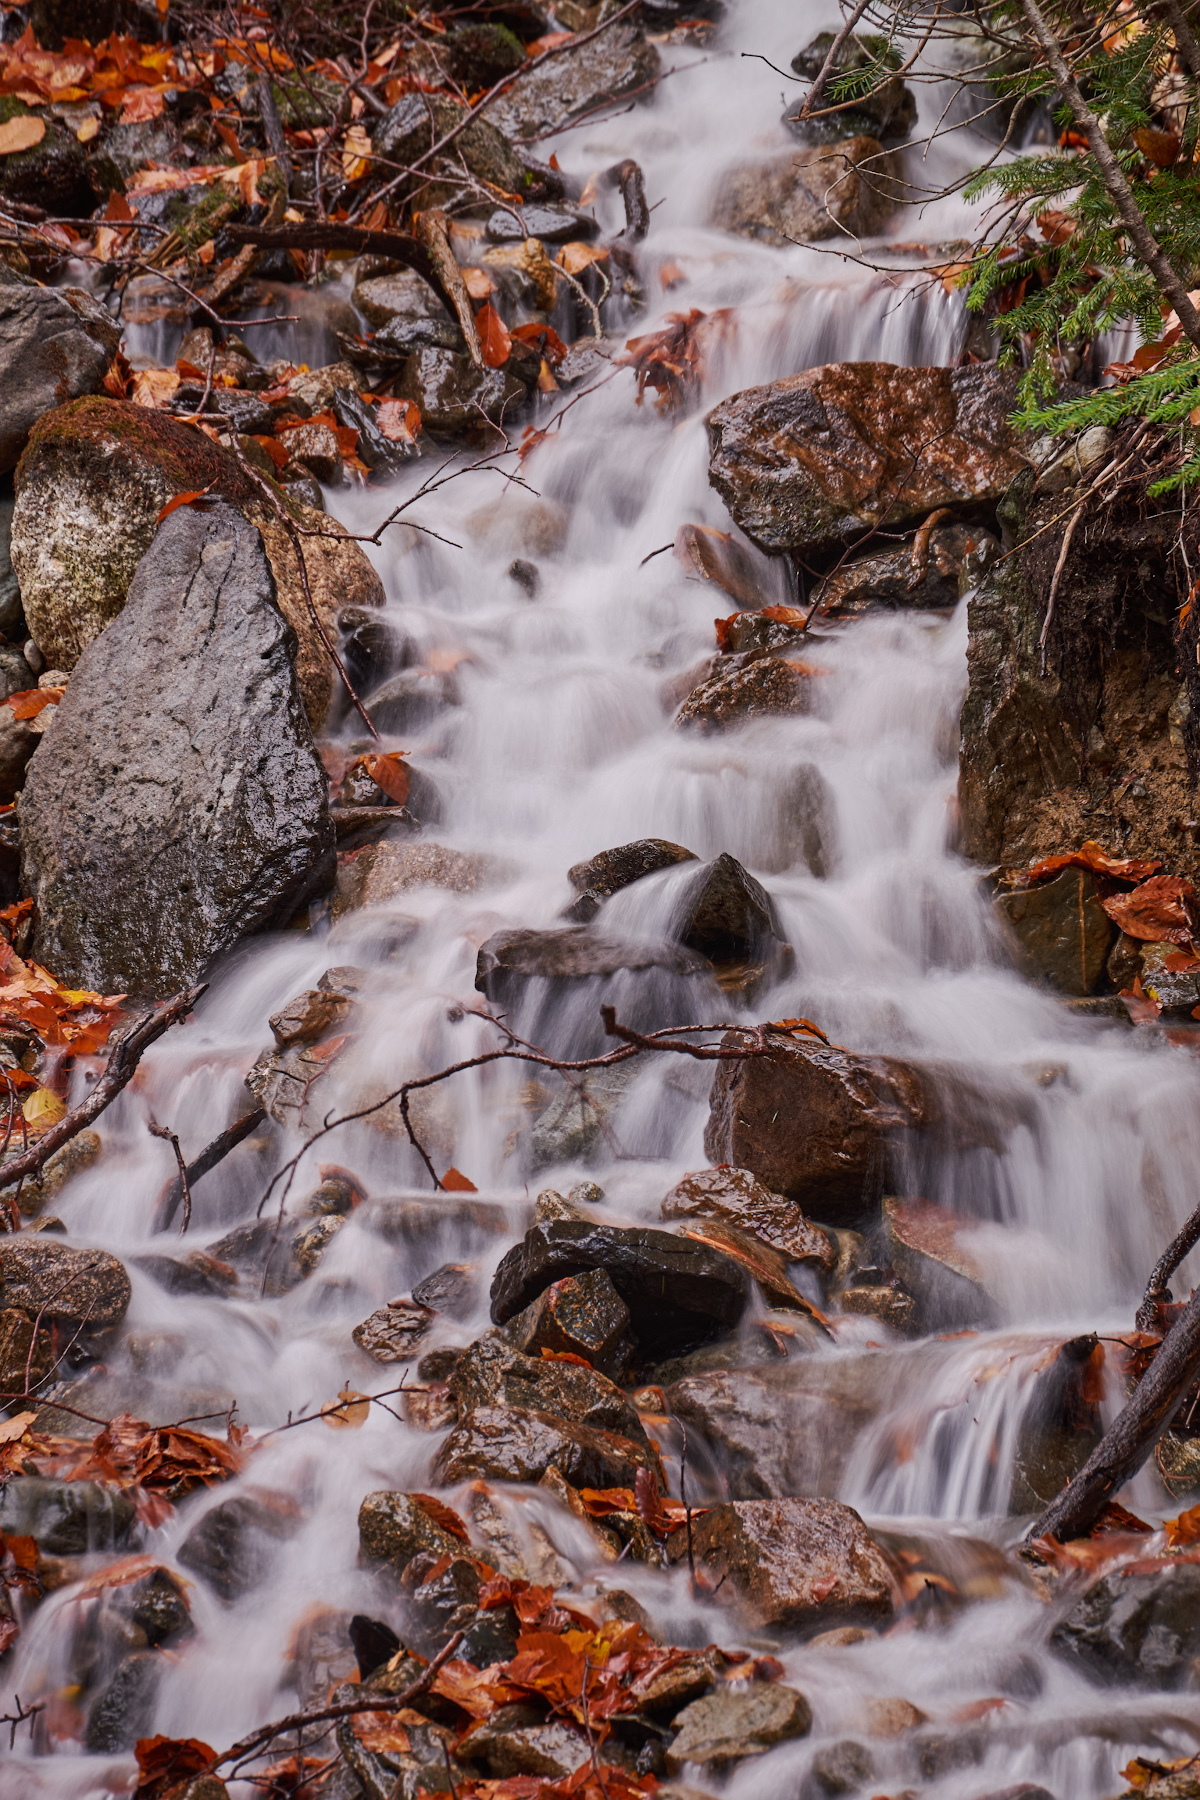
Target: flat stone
(610,870)
(494,1374)
(892,577)
(393,1528)
(609,67)
(383,871)
(511,959)
(818,192)
(1062,933)
(738,1198)
(679,1294)
(745,687)
(809,462)
(401,295)
(393,1334)
(64,1285)
(1135,1627)
(55,345)
(583,1316)
(800,1565)
(156,837)
(514,1444)
(814,1123)
(740,570)
(509,1744)
(723,1728)
(308,1017)
(930,1249)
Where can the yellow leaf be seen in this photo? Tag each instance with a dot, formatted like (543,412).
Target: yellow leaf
(356,153)
(349,1409)
(21,133)
(12,1429)
(87,129)
(42,1109)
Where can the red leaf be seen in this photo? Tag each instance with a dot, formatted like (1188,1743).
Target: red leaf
(186,499)
(442,1515)
(494,336)
(455,1182)
(1088,856)
(31,701)
(542,338)
(1159,911)
(391,774)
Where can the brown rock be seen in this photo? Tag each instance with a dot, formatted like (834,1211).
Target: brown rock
(744,573)
(1062,933)
(735,1196)
(890,577)
(809,462)
(891,1304)
(610,870)
(308,1017)
(783,1427)
(724,1727)
(814,1123)
(393,1334)
(762,1264)
(583,1315)
(812,193)
(930,1249)
(513,1444)
(799,1564)
(517,1740)
(382,871)
(393,1528)
(745,687)
(316,446)
(493,1374)
(511,959)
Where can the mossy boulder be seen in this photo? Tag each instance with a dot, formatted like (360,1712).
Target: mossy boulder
(51,174)
(90,487)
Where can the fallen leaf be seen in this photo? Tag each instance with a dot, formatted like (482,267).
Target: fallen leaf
(399,420)
(164,1762)
(11,1429)
(1183,1530)
(1159,147)
(542,338)
(478,283)
(1160,910)
(356,153)
(494,337)
(455,1182)
(31,701)
(21,133)
(42,1109)
(1088,856)
(390,773)
(439,1512)
(87,129)
(186,499)
(350,1409)
(577,256)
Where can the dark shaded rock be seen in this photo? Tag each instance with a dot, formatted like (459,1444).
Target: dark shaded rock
(519,1740)
(124,1711)
(55,344)
(235,1544)
(1178,990)
(18,741)
(890,1303)
(679,1294)
(54,20)
(894,578)
(442,1599)
(802,1565)
(195,1273)
(373,1643)
(513,1444)
(737,1198)
(510,959)
(764,1266)
(888,111)
(814,1123)
(453,395)
(842,1768)
(552,224)
(730,920)
(452,1289)
(216,824)
(418,121)
(930,1249)
(1060,1426)
(402,296)
(393,1528)
(1063,934)
(51,174)
(480,55)
(67,1518)
(723,1728)
(610,870)
(411,699)
(584,1316)
(1135,1627)
(394,1333)
(808,462)
(754,686)
(494,1374)
(156,1605)
(617,63)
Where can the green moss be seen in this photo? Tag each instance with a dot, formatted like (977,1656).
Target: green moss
(187,457)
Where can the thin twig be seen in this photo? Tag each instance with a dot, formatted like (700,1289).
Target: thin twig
(160,1131)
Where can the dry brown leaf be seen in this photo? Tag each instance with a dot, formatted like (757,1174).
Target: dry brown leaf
(21,133)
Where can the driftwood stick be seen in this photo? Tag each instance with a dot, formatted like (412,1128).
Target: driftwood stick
(397,245)
(1132,1435)
(434,233)
(123,1060)
(209,1157)
(1157,1289)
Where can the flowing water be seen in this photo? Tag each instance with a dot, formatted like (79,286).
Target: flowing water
(562,746)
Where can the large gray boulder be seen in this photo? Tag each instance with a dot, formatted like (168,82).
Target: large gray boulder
(55,344)
(177,803)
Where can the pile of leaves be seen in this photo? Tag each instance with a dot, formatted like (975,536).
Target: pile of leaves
(154,1465)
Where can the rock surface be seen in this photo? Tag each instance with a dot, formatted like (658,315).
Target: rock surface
(1062,933)
(55,345)
(615,64)
(930,1249)
(749,686)
(511,959)
(1135,1627)
(90,486)
(513,1443)
(393,1528)
(812,193)
(610,870)
(814,1123)
(803,1565)
(738,1198)
(581,1316)
(722,1728)
(383,871)
(809,462)
(153,840)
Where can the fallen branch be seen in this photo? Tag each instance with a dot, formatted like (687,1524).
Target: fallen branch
(208,1158)
(434,232)
(126,1053)
(1132,1435)
(172,1138)
(397,245)
(1157,1290)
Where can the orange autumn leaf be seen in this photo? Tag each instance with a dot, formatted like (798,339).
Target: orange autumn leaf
(390,773)
(576,256)
(442,1515)
(1159,147)
(189,498)
(21,133)
(1160,910)
(165,1762)
(278,453)
(455,1182)
(494,336)
(350,1410)
(399,420)
(1088,856)
(31,701)
(1183,1530)
(542,338)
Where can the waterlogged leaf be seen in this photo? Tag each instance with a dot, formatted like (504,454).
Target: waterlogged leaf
(399,420)
(21,133)
(494,337)
(455,1182)
(189,498)
(165,1762)
(1160,910)
(542,338)
(391,773)
(442,1515)
(42,1109)
(1183,1530)
(1088,856)
(577,256)
(380,1734)
(350,1410)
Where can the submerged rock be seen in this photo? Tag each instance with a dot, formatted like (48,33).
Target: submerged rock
(511,959)
(383,871)
(930,1249)
(749,686)
(235,1545)
(730,919)
(55,345)
(808,462)
(611,870)
(155,838)
(65,1518)
(1135,1626)
(805,195)
(800,1565)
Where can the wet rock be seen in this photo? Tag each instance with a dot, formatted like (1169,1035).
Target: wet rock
(383,871)
(814,1123)
(195,1273)
(316,447)
(400,296)
(842,1768)
(780,1428)
(87,1290)
(723,1728)
(518,1740)
(452,1289)
(513,1444)
(730,920)
(494,1374)
(79,1153)
(55,345)
(260,1253)
(890,1303)
(583,1316)
(1177,1459)
(617,63)
(393,1528)
(216,824)
(309,1246)
(899,577)
(394,1333)
(67,1518)
(1135,1627)
(752,686)
(802,196)
(1060,1426)
(26,1354)
(18,741)
(679,1294)
(889,111)
(740,570)
(764,1266)
(418,121)
(572,1127)
(930,1248)
(442,1598)
(52,175)
(610,870)
(808,462)
(308,1017)
(315,390)
(1178,989)
(154,1604)
(234,1546)
(737,1198)
(481,55)
(799,1565)
(124,1711)
(1062,933)
(511,959)
(410,700)
(90,486)
(454,395)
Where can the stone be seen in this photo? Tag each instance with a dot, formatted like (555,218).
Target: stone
(442,1598)
(77,1154)
(766,1267)
(394,1333)
(736,1197)
(55,345)
(808,462)
(1177,989)
(90,486)
(454,395)
(493,1373)
(719,1729)
(195,1273)
(1135,1627)
(889,1303)
(517,1740)
(417,121)
(896,577)
(1061,933)
(742,571)
(394,1527)
(509,960)
(53,174)
(797,1565)
(610,67)
(67,1518)
(782,1427)
(1177,1459)
(86,1289)
(750,686)
(153,839)
(310,1244)
(729,918)
(1060,1426)
(315,390)
(814,1123)
(123,1711)
(481,55)
(842,1768)
(515,1444)
(583,1316)
(888,111)
(308,1017)
(234,1546)
(804,195)
(679,1294)
(381,872)
(609,871)
(316,447)
(19,738)
(930,1249)
(452,1289)
(401,295)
